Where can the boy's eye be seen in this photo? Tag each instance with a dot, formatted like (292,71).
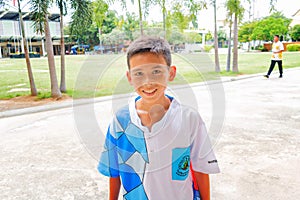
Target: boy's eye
(138,73)
(156,71)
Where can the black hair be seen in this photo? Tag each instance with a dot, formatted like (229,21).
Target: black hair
(151,44)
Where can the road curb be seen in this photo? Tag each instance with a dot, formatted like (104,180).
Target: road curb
(79,102)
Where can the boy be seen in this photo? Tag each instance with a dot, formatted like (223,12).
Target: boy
(156,148)
(277,49)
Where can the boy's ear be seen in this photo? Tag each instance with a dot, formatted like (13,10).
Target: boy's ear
(172,73)
(129,77)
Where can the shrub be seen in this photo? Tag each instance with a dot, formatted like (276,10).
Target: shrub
(207,48)
(293,47)
(261,48)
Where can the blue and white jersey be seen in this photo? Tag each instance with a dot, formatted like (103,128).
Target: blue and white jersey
(156,164)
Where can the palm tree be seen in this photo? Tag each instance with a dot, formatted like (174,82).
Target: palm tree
(217,63)
(140,12)
(229,46)
(81,18)
(40,17)
(162,4)
(146,6)
(62,12)
(229,16)
(235,7)
(28,64)
(140,16)
(100,8)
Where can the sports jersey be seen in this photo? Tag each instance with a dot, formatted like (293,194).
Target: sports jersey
(276,47)
(156,164)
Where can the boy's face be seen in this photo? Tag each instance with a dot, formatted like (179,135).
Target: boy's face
(149,75)
(276,39)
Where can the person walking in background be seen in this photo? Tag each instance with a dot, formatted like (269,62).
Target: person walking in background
(277,49)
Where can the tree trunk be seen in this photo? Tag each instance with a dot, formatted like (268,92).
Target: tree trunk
(249,46)
(55,92)
(28,64)
(63,87)
(217,64)
(229,48)
(141,17)
(100,41)
(235,44)
(164,17)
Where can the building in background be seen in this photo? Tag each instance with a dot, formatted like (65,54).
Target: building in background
(295,19)
(11,38)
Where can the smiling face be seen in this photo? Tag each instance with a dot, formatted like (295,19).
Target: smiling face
(149,75)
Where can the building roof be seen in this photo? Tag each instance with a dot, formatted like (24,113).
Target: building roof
(296,13)
(13,15)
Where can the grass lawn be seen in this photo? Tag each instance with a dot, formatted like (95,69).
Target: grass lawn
(101,75)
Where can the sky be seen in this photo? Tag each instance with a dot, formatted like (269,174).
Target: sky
(288,7)
(261,7)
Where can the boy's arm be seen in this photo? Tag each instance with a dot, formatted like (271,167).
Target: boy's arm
(280,51)
(202,181)
(114,188)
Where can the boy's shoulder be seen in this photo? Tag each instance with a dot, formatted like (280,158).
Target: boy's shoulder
(191,114)
(123,116)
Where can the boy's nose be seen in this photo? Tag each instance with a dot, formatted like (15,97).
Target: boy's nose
(148,79)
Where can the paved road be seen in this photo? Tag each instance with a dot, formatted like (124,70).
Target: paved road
(53,154)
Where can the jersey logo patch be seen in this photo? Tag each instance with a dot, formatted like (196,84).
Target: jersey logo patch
(180,163)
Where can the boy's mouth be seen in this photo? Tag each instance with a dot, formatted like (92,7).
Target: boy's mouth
(149,92)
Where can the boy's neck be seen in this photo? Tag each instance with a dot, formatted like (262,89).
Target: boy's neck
(147,106)
(152,112)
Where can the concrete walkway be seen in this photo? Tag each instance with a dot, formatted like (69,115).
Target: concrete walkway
(51,153)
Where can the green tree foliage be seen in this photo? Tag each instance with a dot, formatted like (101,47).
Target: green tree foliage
(100,8)
(130,25)
(221,36)
(90,34)
(246,31)
(266,28)
(110,22)
(180,8)
(192,37)
(208,36)
(176,37)
(295,32)
(177,17)
(81,19)
(143,9)
(114,39)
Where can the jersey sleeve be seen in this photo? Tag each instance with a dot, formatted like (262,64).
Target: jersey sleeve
(202,155)
(108,164)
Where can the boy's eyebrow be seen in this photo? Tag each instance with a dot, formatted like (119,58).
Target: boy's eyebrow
(155,66)
(135,70)
(159,66)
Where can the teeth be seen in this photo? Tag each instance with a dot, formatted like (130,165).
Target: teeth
(149,92)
